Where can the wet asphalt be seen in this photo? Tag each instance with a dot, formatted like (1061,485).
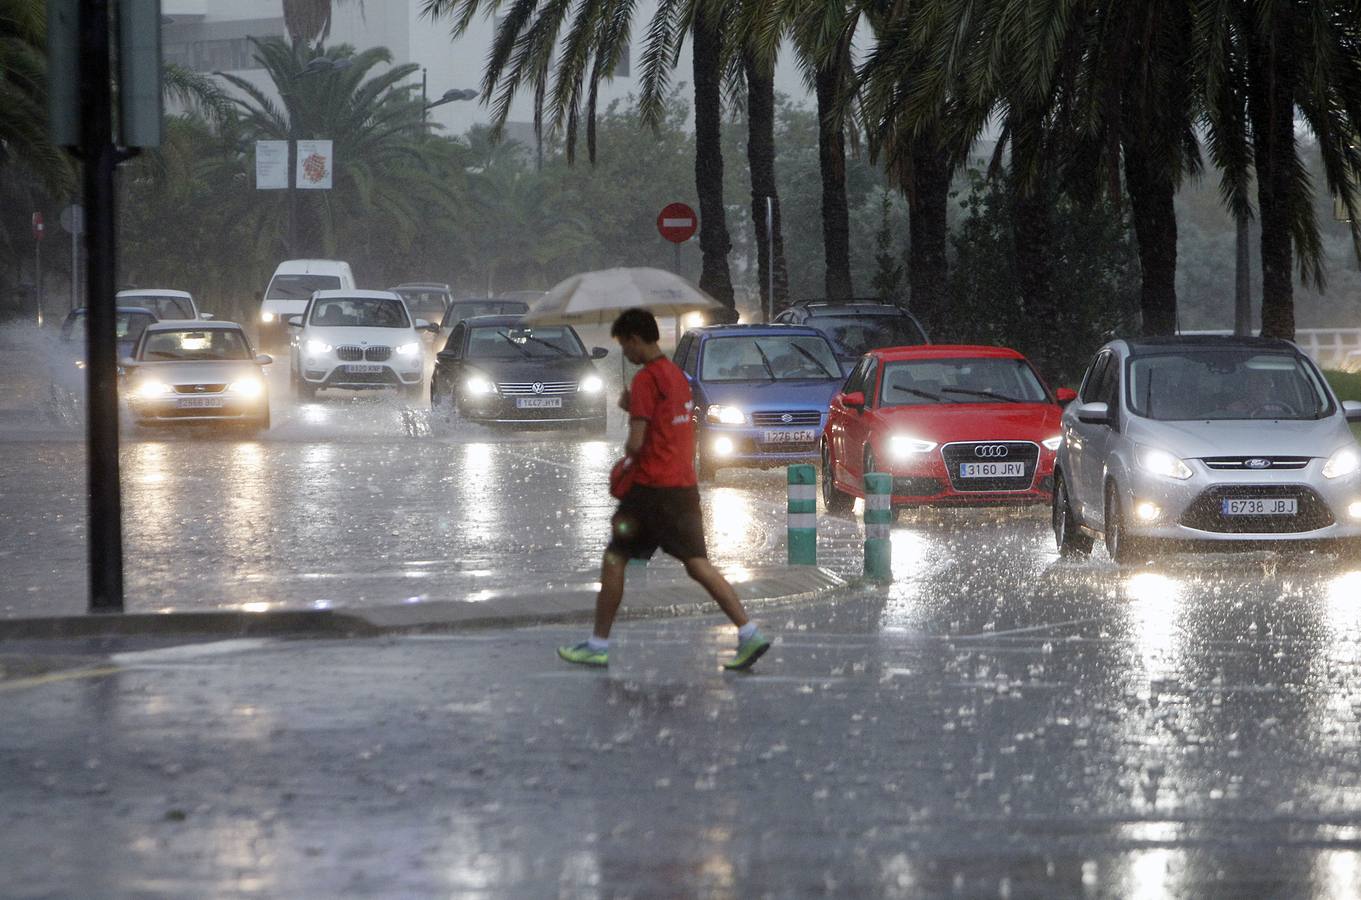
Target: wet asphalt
(995,722)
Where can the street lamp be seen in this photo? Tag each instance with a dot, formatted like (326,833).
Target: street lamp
(449,96)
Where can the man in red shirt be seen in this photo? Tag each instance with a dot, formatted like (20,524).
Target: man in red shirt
(662,508)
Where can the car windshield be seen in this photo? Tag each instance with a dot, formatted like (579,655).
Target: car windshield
(854,336)
(466,309)
(775,357)
(163,307)
(360,312)
(929,381)
(428,305)
(1228,383)
(129,327)
(509,342)
(300,287)
(209,344)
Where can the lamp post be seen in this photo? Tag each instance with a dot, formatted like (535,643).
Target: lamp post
(317,65)
(450,96)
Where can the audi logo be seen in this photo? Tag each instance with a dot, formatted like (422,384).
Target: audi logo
(991,451)
(538,387)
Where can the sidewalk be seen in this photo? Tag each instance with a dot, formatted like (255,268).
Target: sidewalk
(652,596)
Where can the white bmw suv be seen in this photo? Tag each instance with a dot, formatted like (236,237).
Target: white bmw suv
(1210,441)
(356,340)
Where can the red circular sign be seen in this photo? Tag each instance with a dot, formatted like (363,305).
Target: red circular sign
(677,223)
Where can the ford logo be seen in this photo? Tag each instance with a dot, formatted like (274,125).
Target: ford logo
(991,451)
(1257,463)
(538,387)
(786,418)
(200,388)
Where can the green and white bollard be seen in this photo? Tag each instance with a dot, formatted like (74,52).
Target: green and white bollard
(878,521)
(803,516)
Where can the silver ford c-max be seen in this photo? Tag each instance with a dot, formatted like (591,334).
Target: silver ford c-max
(1205,439)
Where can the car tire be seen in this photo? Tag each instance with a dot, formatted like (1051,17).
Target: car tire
(705,471)
(599,426)
(413,392)
(305,390)
(833,497)
(1068,536)
(1123,549)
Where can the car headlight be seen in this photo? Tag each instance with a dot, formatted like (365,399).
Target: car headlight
(247,387)
(409,349)
(149,390)
(1053,442)
(1160,462)
(1343,462)
(315,346)
(901,446)
(266,317)
(592,384)
(477,386)
(725,415)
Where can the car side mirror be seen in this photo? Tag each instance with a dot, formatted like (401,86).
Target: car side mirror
(599,353)
(421,325)
(264,359)
(1094,413)
(293,321)
(1352,410)
(127,362)
(205,316)
(1065,395)
(853,400)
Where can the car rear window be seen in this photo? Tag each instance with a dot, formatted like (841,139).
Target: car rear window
(300,287)
(163,307)
(854,336)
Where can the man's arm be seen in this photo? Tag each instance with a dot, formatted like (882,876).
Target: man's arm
(637,431)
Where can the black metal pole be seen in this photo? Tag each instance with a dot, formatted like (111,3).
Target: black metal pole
(100,157)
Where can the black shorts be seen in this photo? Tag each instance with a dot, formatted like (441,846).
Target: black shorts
(652,517)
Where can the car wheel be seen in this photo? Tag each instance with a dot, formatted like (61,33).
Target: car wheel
(1071,540)
(833,497)
(412,392)
(1123,549)
(307,392)
(599,426)
(705,470)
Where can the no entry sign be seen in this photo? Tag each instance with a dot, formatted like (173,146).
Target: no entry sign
(677,223)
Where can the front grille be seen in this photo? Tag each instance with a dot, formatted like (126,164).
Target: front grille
(387,376)
(1024,452)
(796,417)
(378,354)
(200,388)
(1241,462)
(349,354)
(513,388)
(1206,512)
(917,487)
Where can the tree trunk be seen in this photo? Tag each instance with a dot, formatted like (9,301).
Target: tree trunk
(714,243)
(1271,109)
(836,226)
(927,269)
(761,162)
(1151,193)
(1033,240)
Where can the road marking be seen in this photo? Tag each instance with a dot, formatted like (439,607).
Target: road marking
(984,635)
(20,684)
(190,651)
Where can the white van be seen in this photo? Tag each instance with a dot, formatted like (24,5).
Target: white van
(292,286)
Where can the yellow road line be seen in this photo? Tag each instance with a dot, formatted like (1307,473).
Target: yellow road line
(19,684)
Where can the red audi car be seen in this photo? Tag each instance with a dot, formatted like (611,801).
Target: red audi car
(953,425)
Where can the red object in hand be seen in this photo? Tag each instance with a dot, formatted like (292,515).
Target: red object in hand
(621,477)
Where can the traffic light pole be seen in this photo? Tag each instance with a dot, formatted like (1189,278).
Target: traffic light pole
(100,157)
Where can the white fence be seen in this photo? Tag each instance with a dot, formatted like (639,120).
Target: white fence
(1331,348)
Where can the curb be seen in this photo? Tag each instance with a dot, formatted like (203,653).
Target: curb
(672,598)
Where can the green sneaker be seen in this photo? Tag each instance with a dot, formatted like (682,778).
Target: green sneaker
(748,652)
(583,655)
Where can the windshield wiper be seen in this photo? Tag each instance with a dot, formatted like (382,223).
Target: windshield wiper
(927,394)
(813,359)
(765,361)
(989,394)
(550,344)
(510,340)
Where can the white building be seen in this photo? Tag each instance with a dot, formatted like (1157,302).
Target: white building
(212,36)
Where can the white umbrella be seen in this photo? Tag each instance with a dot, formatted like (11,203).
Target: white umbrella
(597,298)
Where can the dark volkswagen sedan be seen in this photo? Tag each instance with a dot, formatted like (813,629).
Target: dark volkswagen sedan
(495,370)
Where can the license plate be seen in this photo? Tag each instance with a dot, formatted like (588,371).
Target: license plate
(538,403)
(1260,506)
(363,370)
(992,470)
(798,436)
(199,403)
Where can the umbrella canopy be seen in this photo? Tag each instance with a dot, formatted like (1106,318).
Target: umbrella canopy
(597,298)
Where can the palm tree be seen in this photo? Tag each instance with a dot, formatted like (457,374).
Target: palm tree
(23,95)
(772,270)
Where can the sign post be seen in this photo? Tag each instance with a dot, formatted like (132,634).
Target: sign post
(677,223)
(73,223)
(38,264)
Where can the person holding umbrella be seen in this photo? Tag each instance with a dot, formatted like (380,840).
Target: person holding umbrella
(661,509)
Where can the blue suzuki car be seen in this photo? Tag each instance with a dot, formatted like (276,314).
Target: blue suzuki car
(761,393)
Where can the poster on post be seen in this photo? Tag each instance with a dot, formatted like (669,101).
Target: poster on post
(271,165)
(315,164)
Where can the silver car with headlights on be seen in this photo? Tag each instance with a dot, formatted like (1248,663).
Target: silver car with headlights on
(188,371)
(1205,441)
